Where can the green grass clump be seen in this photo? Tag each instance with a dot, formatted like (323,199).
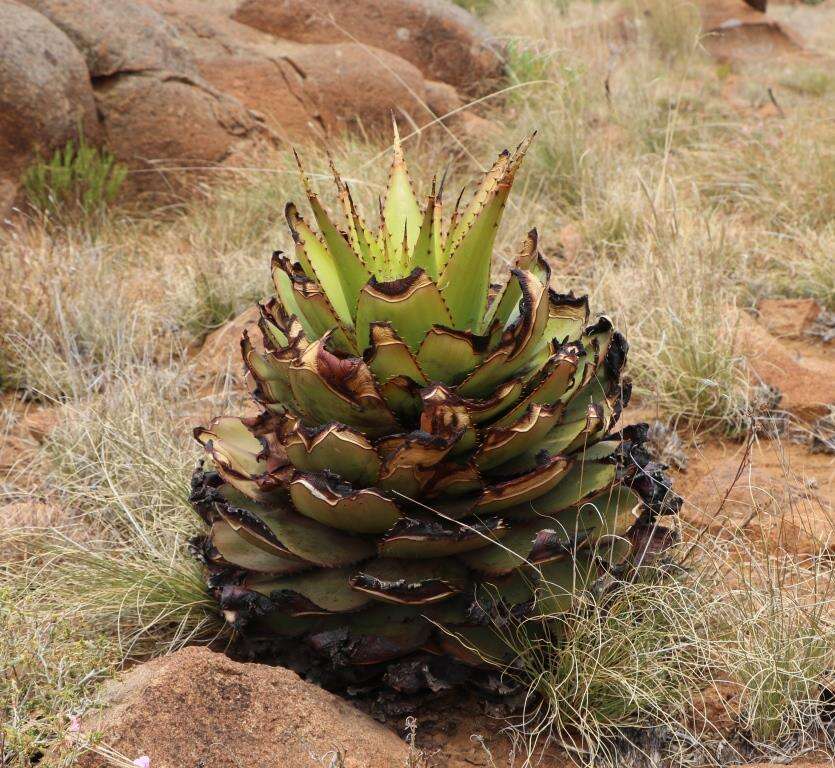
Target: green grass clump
(79,182)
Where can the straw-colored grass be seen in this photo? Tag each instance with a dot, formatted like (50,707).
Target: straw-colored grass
(661,184)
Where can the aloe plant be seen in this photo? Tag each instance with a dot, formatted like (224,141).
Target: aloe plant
(434,451)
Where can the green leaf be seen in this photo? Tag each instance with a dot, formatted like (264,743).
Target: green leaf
(525,488)
(401,212)
(448,356)
(517,343)
(412,305)
(328,388)
(334,447)
(410,538)
(552,382)
(311,305)
(389,357)
(318,592)
(409,460)
(500,444)
(295,534)
(465,278)
(428,246)
(321,498)
(347,261)
(241,552)
(319,263)
(411,581)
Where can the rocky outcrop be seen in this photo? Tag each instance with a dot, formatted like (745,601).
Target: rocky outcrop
(118,37)
(156,112)
(442,40)
(323,90)
(178,85)
(196,707)
(162,126)
(45,93)
(740,29)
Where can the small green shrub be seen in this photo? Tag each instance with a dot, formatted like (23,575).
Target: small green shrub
(79,181)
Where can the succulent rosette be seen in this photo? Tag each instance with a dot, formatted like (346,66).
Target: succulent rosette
(434,451)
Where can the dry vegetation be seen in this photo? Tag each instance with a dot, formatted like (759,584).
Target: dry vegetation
(665,184)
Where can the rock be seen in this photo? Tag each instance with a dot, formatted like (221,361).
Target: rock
(804,375)
(45,94)
(119,36)
(156,111)
(324,89)
(788,317)
(196,707)
(782,499)
(220,354)
(442,40)
(737,30)
(162,125)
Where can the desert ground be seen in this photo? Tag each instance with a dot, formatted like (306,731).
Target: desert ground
(682,175)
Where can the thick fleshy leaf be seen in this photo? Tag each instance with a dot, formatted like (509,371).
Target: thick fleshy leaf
(402,396)
(408,460)
(333,447)
(465,278)
(270,374)
(322,498)
(389,356)
(348,264)
(518,341)
(420,539)
(583,480)
(294,535)
(329,388)
(506,305)
(248,463)
(525,488)
(561,581)
(410,581)
(503,398)
(444,413)
(553,381)
(401,211)
(374,635)
(500,444)
(243,553)
(314,592)
(319,263)
(448,356)
(527,543)
(428,250)
(567,316)
(412,305)
(316,312)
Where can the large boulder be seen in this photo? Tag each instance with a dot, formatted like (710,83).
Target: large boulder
(442,40)
(156,112)
(196,708)
(324,88)
(45,93)
(118,37)
(305,89)
(738,29)
(162,126)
